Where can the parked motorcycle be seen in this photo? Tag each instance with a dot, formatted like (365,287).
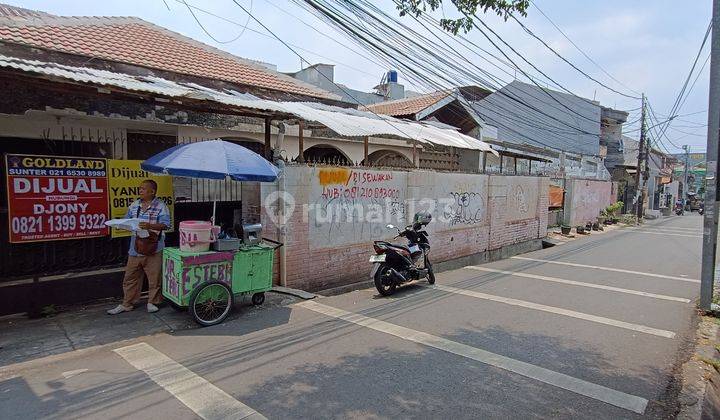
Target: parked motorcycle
(395,264)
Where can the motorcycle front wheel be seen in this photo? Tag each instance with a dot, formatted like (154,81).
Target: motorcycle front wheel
(431,273)
(384,285)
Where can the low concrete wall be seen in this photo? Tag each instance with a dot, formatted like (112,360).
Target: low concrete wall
(584,199)
(336,213)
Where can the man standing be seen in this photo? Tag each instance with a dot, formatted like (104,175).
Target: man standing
(145,254)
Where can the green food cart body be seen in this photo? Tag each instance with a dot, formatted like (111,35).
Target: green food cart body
(248,270)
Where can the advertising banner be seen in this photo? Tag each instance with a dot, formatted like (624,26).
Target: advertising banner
(56,198)
(124,178)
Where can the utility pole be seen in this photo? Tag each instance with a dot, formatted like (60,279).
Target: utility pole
(710,218)
(642,154)
(685,175)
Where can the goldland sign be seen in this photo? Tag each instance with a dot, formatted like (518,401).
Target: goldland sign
(55,198)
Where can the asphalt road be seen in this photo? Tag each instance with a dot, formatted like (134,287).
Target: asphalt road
(599,338)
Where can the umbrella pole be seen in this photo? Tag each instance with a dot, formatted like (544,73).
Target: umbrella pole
(214,202)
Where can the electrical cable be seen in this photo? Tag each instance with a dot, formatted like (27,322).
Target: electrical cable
(580,50)
(208,33)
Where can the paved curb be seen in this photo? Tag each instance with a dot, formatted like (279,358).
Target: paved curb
(699,397)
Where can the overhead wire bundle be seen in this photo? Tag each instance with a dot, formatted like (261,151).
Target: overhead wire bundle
(439,65)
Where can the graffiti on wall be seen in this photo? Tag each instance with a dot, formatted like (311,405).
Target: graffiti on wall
(466,208)
(354,205)
(454,200)
(521,198)
(588,198)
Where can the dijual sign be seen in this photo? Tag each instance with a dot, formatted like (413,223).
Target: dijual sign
(54,198)
(125,177)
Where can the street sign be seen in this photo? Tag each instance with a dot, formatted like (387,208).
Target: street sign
(124,178)
(56,197)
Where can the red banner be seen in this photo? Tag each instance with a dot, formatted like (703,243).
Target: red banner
(56,197)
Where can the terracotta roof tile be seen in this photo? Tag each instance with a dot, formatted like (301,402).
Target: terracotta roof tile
(134,41)
(407,106)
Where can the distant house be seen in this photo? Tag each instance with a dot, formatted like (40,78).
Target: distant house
(323,76)
(625,167)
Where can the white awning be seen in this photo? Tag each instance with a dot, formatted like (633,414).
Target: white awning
(344,121)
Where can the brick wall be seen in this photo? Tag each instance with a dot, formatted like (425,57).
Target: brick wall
(480,213)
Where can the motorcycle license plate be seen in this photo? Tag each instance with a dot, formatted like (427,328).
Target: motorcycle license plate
(378,258)
(414,249)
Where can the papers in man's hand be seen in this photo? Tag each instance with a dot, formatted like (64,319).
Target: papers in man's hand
(132,225)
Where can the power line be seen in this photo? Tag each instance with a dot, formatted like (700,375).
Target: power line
(679,100)
(207,32)
(531,33)
(375,43)
(581,51)
(323,75)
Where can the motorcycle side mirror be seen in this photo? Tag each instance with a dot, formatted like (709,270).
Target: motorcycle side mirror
(390,227)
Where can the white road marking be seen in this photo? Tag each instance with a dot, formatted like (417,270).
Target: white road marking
(560,380)
(617,270)
(673,228)
(557,311)
(579,283)
(69,374)
(205,399)
(647,232)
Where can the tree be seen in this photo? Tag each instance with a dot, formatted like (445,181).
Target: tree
(467,8)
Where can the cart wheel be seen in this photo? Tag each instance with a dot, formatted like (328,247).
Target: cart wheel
(211,303)
(258,298)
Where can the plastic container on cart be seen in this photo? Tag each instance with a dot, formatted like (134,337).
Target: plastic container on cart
(197,235)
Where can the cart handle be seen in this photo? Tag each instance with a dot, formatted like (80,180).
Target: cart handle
(278,244)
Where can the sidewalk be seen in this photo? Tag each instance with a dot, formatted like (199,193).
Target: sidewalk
(79,327)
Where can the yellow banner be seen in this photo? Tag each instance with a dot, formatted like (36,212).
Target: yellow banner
(124,178)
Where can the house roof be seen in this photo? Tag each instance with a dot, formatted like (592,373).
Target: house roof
(408,106)
(541,117)
(344,121)
(135,41)
(14,11)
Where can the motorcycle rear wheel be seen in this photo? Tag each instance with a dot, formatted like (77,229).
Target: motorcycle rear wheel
(386,288)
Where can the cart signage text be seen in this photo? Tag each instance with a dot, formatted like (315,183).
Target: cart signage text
(179,280)
(55,198)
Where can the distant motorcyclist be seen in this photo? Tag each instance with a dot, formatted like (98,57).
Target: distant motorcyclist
(679,207)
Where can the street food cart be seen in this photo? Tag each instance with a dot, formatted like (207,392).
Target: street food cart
(205,281)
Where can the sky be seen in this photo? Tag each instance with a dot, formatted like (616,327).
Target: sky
(648,46)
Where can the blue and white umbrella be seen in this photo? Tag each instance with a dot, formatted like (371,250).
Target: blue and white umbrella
(214,159)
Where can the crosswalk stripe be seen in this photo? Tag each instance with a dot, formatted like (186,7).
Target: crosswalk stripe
(550,377)
(205,399)
(617,270)
(558,311)
(579,283)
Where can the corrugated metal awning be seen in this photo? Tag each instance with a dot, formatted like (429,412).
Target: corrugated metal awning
(345,122)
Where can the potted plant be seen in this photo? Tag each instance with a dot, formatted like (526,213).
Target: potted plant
(603,217)
(612,210)
(565,229)
(580,229)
